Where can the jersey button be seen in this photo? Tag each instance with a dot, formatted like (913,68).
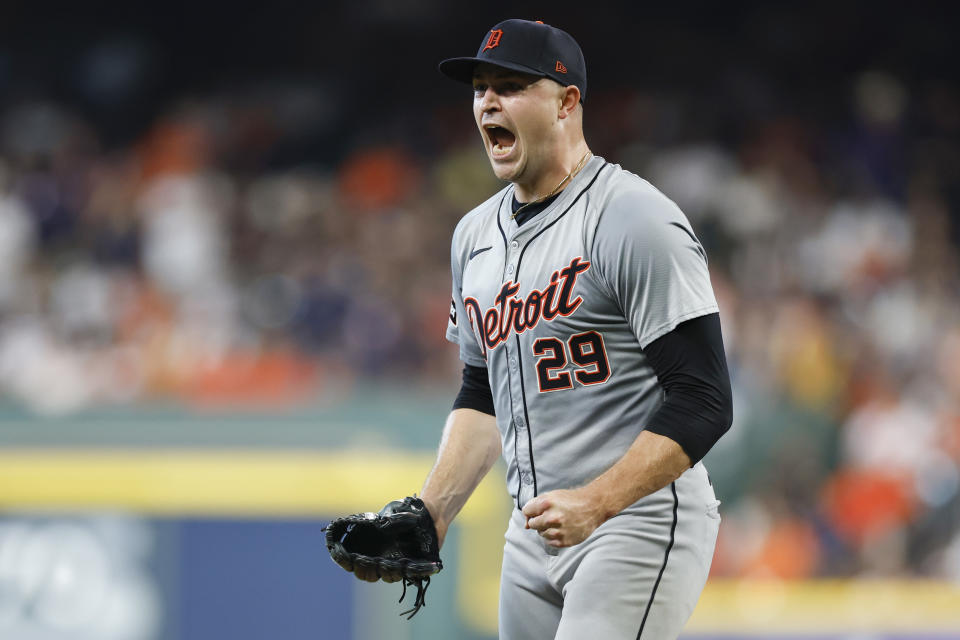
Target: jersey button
(510,269)
(513,362)
(515,244)
(520,423)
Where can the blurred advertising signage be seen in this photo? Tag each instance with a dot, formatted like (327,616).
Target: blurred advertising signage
(77,577)
(97,576)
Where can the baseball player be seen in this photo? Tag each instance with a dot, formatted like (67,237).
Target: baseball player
(594,363)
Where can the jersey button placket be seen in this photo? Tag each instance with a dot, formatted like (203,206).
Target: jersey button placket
(519,426)
(511,257)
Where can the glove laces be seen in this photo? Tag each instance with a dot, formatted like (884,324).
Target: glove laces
(420,600)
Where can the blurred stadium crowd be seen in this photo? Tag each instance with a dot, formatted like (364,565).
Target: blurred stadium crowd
(185,263)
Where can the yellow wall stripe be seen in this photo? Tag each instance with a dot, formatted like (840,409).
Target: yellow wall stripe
(229,483)
(769,606)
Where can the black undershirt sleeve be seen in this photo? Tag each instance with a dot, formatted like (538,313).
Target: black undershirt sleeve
(692,369)
(475,391)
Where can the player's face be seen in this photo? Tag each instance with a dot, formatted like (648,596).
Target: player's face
(516,114)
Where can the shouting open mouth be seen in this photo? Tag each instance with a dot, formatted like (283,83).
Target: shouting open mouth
(501,140)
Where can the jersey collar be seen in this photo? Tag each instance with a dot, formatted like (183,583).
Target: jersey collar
(556,208)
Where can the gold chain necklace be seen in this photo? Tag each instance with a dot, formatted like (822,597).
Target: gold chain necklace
(557,188)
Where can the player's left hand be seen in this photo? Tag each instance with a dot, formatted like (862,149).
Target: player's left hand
(564,517)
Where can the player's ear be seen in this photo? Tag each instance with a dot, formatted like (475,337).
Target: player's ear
(569,99)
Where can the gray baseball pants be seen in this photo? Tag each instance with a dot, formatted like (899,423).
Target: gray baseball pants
(639,575)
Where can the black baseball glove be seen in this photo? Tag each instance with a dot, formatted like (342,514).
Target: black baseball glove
(399,543)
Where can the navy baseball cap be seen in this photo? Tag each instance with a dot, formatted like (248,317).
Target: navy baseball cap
(528,47)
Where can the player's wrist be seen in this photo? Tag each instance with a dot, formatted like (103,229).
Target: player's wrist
(599,500)
(436,514)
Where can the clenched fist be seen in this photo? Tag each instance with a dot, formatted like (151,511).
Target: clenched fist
(564,517)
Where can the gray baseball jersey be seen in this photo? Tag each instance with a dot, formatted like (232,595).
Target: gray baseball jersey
(559,310)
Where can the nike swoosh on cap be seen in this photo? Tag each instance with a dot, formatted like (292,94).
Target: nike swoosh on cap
(476,252)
